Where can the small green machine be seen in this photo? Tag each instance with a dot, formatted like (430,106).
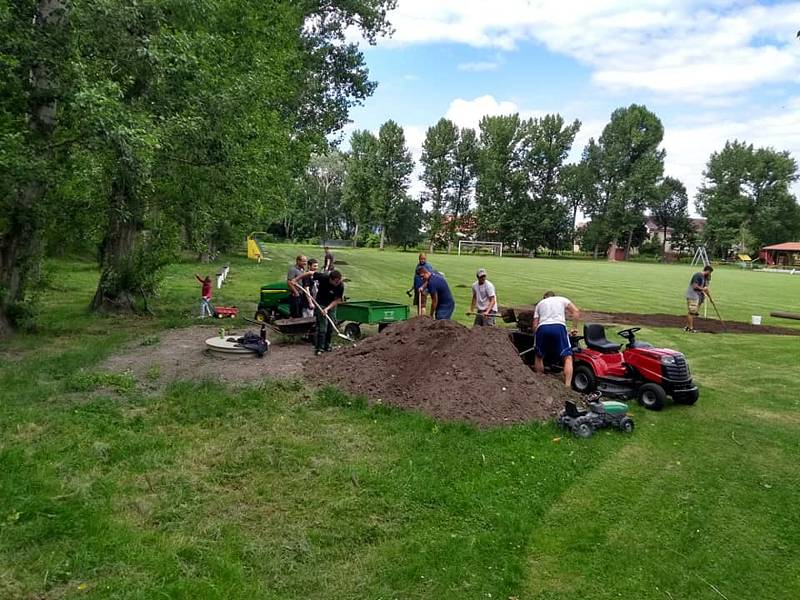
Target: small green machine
(273,302)
(599,414)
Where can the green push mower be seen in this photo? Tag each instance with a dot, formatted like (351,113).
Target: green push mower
(598,415)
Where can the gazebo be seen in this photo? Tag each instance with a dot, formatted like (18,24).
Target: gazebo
(781,255)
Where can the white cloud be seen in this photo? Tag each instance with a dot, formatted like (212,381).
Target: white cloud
(692,48)
(468,113)
(477,67)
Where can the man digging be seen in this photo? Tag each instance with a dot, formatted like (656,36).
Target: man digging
(442,303)
(550,327)
(696,295)
(329,296)
(484,300)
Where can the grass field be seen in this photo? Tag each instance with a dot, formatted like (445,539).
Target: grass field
(280,491)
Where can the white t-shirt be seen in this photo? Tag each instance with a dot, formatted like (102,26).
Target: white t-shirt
(552,310)
(482,295)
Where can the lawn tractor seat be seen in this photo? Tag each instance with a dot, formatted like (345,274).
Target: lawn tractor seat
(594,335)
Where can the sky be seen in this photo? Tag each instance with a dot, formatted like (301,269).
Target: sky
(712,70)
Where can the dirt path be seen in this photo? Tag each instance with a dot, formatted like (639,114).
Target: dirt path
(180,354)
(525,315)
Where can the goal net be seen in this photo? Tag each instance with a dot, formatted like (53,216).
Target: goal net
(478,247)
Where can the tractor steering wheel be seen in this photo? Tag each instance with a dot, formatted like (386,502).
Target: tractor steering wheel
(629,333)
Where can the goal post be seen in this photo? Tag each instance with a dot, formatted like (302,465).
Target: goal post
(495,248)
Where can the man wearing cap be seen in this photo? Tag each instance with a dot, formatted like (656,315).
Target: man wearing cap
(442,303)
(484,300)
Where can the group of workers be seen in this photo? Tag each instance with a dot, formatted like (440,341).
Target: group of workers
(316,293)
(549,321)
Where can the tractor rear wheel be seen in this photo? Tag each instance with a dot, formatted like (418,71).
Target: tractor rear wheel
(652,396)
(626,425)
(583,379)
(583,429)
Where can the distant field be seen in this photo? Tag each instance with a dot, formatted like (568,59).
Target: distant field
(278,491)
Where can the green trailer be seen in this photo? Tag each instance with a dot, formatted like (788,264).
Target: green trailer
(369,312)
(273,308)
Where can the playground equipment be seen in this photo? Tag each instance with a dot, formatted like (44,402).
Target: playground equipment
(256,248)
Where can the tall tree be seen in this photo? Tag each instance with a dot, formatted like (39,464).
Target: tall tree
(630,164)
(501,184)
(361,180)
(543,219)
(439,173)
(578,188)
(393,170)
(32,51)
(669,208)
(464,164)
(746,198)
(406,221)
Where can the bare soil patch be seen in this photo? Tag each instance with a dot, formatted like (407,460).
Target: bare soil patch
(524,316)
(448,371)
(180,354)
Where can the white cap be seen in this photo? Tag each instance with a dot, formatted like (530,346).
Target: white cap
(481,273)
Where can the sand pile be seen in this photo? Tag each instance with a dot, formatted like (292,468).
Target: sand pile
(448,371)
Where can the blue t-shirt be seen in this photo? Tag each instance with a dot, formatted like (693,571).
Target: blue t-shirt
(438,285)
(417,277)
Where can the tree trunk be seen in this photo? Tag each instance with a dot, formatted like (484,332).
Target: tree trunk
(118,274)
(383,236)
(664,246)
(596,250)
(21,246)
(572,236)
(355,236)
(628,244)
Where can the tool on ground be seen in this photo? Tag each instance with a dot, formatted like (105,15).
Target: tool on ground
(327,316)
(420,307)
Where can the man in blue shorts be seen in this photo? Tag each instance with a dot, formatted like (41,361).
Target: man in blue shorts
(552,339)
(442,303)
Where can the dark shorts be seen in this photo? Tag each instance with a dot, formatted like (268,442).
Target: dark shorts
(445,312)
(552,341)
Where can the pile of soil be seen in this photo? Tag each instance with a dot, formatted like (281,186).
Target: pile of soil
(524,317)
(448,371)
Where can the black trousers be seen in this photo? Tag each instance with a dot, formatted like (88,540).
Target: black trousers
(296,305)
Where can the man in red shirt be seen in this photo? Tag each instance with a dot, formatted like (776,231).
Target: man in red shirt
(205,299)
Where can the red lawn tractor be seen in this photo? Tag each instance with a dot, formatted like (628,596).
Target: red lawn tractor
(638,370)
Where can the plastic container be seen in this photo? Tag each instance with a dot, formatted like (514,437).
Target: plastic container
(755,319)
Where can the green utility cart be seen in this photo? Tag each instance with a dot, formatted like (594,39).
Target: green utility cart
(369,312)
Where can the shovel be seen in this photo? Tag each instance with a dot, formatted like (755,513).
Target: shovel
(327,316)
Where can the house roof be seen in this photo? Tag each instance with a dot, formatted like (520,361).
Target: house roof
(786,246)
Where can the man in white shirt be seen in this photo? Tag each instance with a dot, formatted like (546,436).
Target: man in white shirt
(550,325)
(484,299)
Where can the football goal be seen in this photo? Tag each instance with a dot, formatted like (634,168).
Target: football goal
(473,247)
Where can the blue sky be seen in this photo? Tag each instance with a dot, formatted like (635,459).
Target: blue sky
(712,70)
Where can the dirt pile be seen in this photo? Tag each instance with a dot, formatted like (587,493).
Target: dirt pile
(448,371)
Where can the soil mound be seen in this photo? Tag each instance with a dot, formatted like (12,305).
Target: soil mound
(448,371)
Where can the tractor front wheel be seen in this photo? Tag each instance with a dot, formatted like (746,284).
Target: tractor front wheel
(583,379)
(652,396)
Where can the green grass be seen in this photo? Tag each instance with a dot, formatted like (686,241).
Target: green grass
(279,491)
